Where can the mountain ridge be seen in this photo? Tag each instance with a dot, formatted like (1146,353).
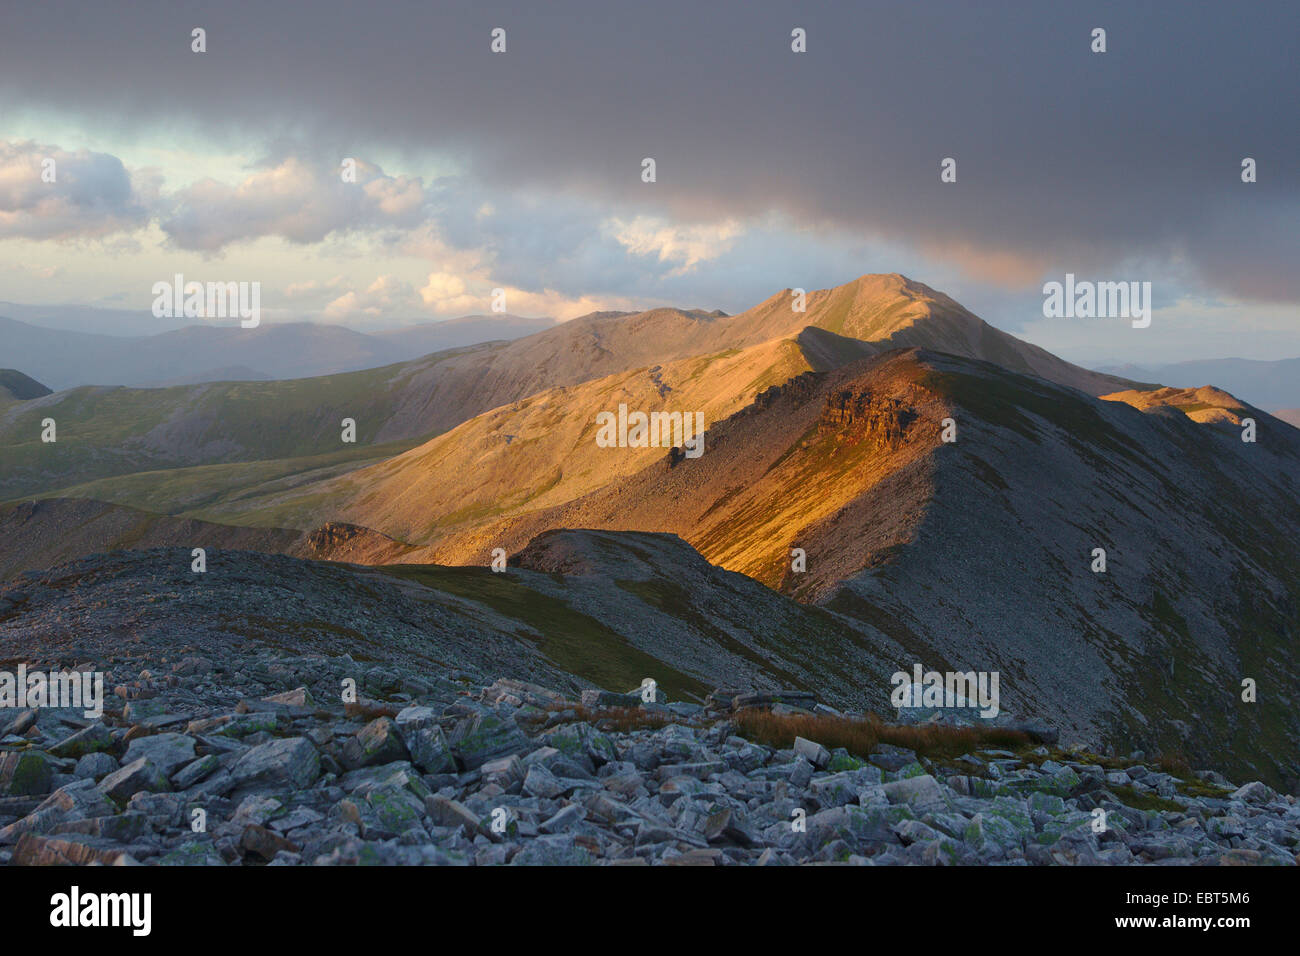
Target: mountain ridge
(274,350)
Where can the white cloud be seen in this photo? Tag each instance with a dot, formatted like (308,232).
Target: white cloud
(91,195)
(385,296)
(295,200)
(686,245)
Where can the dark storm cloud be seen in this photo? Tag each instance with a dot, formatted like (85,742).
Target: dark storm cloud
(1067,160)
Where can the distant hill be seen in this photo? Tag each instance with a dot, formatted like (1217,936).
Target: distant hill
(14,384)
(1270,385)
(428,337)
(203,353)
(231,373)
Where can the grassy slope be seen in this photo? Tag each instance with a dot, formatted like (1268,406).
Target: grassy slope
(104,432)
(216,492)
(574,641)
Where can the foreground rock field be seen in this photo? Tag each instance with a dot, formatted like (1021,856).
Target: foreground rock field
(260,762)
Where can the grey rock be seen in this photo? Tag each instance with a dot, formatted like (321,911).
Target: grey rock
(425,740)
(167,752)
(596,699)
(195,771)
(90,739)
(291,762)
(813,752)
(94,766)
(131,778)
(378,742)
(1255,792)
(566,819)
(445,812)
(25,773)
(480,737)
(540,782)
(923,794)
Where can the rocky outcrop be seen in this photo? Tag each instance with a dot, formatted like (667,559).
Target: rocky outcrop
(880,420)
(201,766)
(340,541)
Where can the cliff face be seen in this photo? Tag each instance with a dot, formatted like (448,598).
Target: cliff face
(880,420)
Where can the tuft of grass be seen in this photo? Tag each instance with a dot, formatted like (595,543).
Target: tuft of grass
(1141,801)
(862,736)
(1199,788)
(622,719)
(1174,764)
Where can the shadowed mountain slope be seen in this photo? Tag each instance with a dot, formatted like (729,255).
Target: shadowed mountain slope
(19,387)
(648,607)
(1289,415)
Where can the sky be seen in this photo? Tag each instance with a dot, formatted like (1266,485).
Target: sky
(522,170)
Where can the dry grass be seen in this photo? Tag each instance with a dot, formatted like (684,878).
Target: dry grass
(622,719)
(861,736)
(1175,764)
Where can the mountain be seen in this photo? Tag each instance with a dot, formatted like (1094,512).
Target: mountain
(1205,404)
(825,434)
(1270,385)
(533,453)
(121,431)
(94,319)
(975,554)
(427,337)
(228,373)
(978,553)
(16,386)
(208,353)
